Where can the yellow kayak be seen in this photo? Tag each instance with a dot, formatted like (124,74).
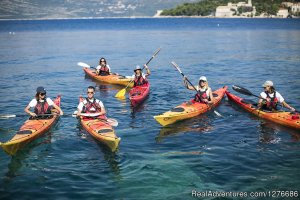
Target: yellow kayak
(189,109)
(112,78)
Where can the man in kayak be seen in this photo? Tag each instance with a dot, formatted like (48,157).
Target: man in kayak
(204,93)
(41,104)
(91,104)
(271,98)
(139,77)
(102,69)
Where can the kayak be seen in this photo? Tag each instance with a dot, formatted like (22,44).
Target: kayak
(30,130)
(101,131)
(189,109)
(112,78)
(138,94)
(284,118)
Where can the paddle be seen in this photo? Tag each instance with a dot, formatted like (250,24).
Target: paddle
(6,116)
(247,92)
(82,64)
(110,121)
(178,69)
(121,93)
(244,91)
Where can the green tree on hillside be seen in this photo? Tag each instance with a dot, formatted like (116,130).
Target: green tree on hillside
(208,7)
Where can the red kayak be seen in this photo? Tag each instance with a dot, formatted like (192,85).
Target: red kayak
(138,94)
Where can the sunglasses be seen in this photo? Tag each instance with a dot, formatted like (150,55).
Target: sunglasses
(90,92)
(42,94)
(102,61)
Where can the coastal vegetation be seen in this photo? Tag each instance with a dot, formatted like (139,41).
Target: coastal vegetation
(208,7)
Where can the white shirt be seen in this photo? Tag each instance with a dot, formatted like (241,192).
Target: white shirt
(202,90)
(99,67)
(33,102)
(278,96)
(81,104)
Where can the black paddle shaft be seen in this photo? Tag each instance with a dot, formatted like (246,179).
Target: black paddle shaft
(177,67)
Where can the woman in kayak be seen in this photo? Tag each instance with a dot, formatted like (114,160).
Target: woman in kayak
(204,93)
(91,104)
(102,69)
(139,77)
(271,98)
(41,104)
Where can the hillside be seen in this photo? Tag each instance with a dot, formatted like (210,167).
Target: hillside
(33,9)
(208,7)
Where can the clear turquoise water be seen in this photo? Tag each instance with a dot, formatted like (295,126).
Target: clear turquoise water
(234,153)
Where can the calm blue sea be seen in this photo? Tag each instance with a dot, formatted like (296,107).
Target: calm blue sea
(233,153)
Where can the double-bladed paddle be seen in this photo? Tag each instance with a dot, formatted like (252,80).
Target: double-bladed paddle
(121,93)
(110,121)
(179,70)
(245,91)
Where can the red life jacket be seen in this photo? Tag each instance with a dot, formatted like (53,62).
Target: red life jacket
(91,107)
(104,71)
(139,80)
(271,105)
(42,108)
(200,96)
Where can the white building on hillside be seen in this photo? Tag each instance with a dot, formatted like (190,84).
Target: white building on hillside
(283,13)
(232,9)
(295,8)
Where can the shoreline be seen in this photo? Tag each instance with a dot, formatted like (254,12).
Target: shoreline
(147,17)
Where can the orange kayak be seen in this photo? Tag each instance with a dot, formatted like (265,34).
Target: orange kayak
(101,130)
(189,109)
(112,78)
(30,130)
(288,119)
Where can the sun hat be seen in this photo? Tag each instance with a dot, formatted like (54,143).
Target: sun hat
(202,78)
(138,68)
(268,83)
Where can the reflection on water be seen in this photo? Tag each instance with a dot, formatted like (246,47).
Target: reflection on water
(17,161)
(269,132)
(200,124)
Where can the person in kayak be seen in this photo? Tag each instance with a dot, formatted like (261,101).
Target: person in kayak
(271,98)
(42,104)
(102,69)
(139,78)
(204,93)
(91,104)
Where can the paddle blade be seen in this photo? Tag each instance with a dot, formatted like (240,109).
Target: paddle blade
(176,67)
(121,94)
(112,122)
(242,90)
(7,116)
(82,64)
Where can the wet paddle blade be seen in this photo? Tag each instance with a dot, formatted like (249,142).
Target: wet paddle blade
(82,64)
(242,90)
(121,94)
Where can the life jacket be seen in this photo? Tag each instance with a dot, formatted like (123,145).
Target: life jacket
(271,105)
(104,71)
(42,108)
(200,96)
(91,107)
(139,80)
